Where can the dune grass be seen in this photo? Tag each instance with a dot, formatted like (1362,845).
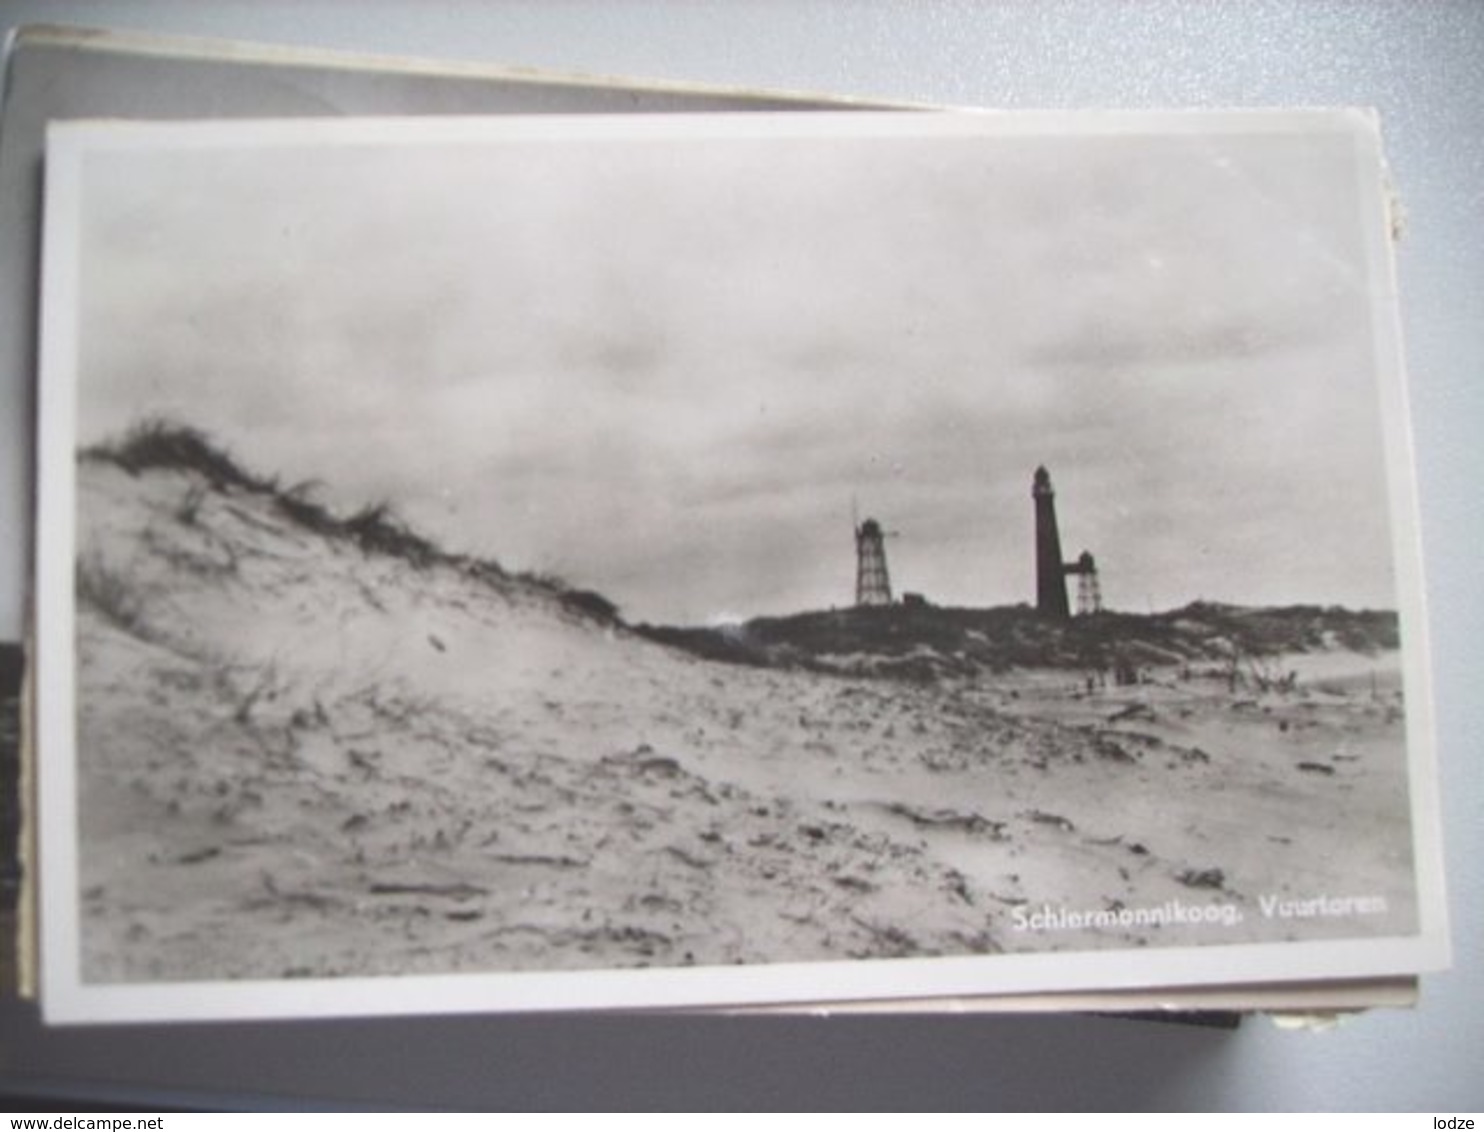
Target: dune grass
(376,529)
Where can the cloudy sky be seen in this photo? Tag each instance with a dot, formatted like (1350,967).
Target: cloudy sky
(663,358)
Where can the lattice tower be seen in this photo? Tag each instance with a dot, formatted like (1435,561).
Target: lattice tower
(1089,594)
(872,584)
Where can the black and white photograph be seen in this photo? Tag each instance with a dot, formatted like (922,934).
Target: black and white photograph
(701,560)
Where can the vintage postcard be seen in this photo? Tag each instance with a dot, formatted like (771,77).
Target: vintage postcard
(703,560)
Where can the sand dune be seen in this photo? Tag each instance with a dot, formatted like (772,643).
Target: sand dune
(301,756)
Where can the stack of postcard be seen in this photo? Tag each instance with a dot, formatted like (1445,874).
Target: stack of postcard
(496,556)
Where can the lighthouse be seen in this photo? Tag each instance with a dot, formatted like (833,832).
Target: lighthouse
(1051,570)
(1051,577)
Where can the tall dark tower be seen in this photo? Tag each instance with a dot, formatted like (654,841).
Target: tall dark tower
(1051,579)
(872,586)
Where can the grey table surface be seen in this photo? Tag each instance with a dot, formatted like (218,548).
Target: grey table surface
(1417,63)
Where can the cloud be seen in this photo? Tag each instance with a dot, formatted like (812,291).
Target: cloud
(665,369)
